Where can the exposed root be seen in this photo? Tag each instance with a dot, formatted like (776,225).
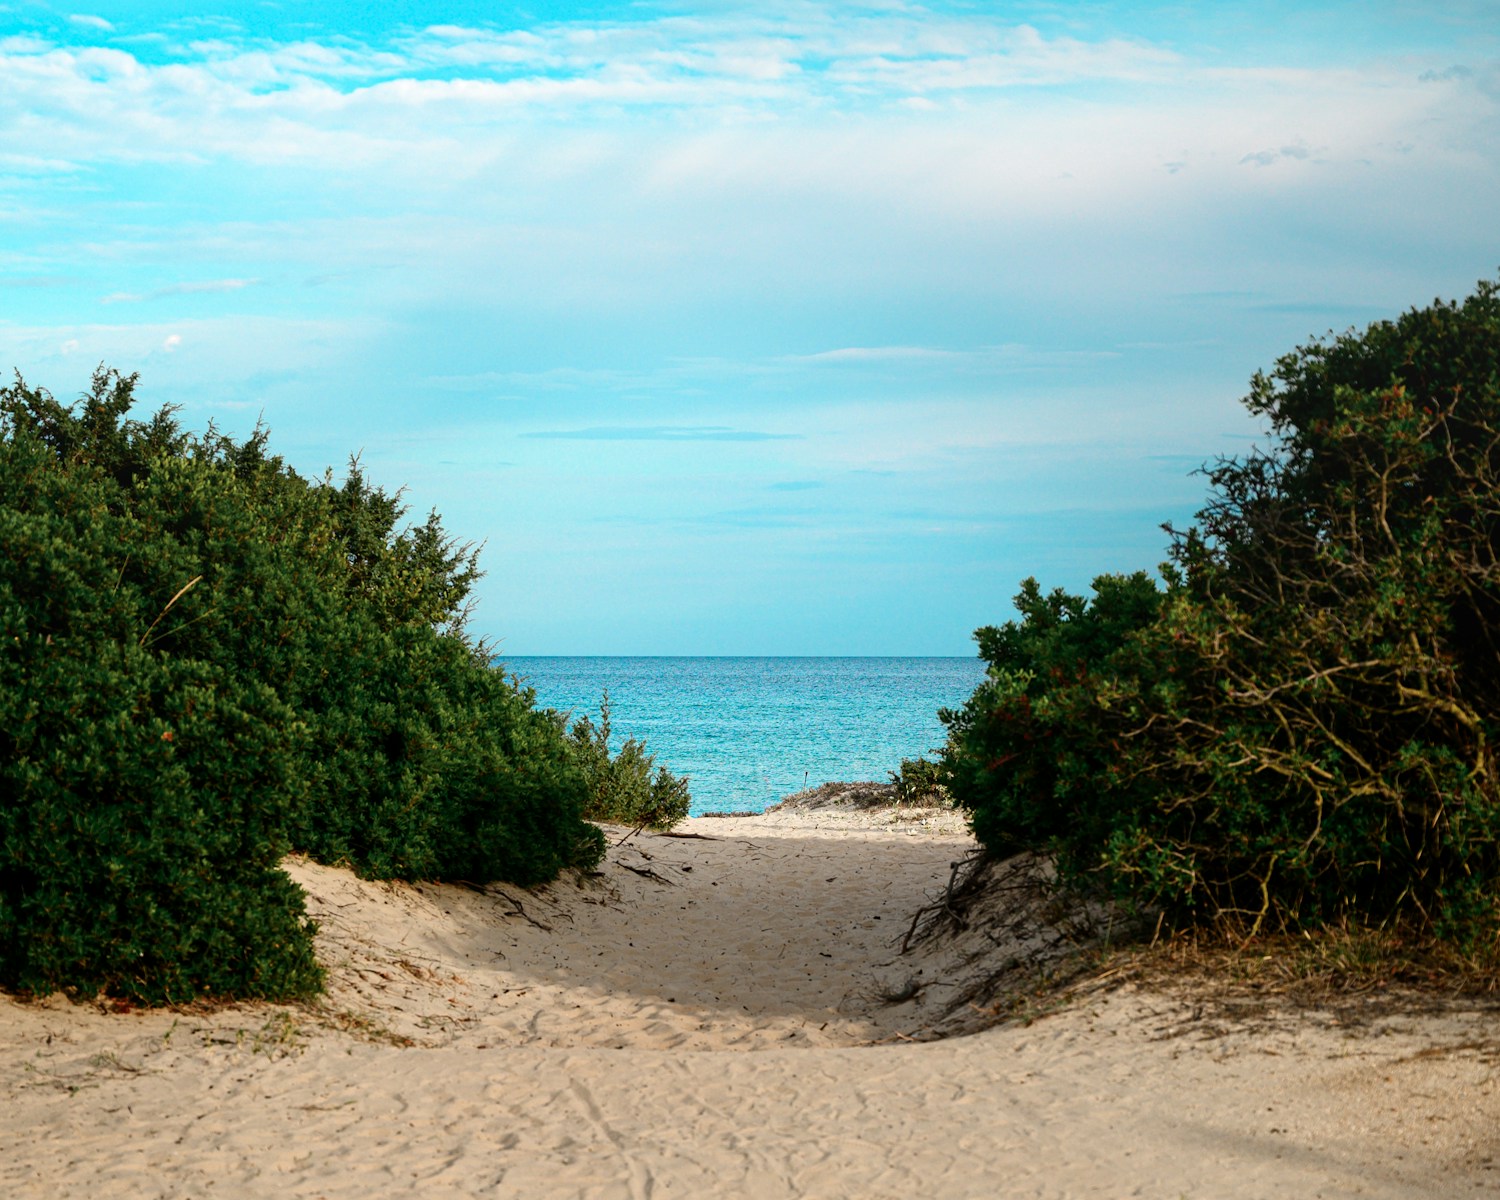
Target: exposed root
(936,913)
(1003,941)
(495,889)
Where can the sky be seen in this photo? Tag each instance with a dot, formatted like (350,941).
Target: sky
(785,328)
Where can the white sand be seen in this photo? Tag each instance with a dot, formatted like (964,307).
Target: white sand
(705,1030)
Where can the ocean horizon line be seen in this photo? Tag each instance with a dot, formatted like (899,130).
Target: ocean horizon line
(748,730)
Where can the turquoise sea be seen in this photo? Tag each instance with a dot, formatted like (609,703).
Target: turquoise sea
(749,731)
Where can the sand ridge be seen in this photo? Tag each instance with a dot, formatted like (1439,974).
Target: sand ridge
(704,1017)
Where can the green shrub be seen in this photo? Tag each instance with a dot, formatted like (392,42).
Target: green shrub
(207,661)
(142,860)
(999,759)
(432,765)
(622,789)
(920,781)
(136,855)
(1300,727)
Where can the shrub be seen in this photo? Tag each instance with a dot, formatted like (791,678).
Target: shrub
(920,781)
(622,789)
(136,856)
(1300,727)
(206,661)
(999,759)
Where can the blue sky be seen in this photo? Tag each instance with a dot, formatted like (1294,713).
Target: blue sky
(787,328)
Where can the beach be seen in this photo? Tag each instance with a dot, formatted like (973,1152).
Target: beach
(726,1012)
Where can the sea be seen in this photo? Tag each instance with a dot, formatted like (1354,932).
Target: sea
(750,731)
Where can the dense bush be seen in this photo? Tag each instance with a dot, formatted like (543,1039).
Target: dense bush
(1025,741)
(920,781)
(207,660)
(1300,726)
(622,788)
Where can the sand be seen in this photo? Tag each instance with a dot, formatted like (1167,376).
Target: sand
(710,1016)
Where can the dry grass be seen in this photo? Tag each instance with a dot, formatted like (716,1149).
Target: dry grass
(1024,947)
(1344,967)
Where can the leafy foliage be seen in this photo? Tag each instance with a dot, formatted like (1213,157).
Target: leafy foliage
(622,789)
(206,661)
(920,781)
(1017,755)
(1301,726)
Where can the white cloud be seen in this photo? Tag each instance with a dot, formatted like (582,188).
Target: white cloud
(875,354)
(171,342)
(89,22)
(802,108)
(180,289)
(1298,151)
(343,97)
(23,44)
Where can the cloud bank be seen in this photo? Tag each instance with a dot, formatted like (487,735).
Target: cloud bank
(990,275)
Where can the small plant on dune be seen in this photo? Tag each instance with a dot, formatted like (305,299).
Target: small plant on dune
(921,781)
(622,788)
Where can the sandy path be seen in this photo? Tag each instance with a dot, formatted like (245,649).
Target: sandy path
(747,935)
(719,1055)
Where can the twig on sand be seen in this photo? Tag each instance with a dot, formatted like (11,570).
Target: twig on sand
(520,908)
(699,837)
(647,873)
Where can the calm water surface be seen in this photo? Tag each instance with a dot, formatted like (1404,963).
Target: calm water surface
(749,731)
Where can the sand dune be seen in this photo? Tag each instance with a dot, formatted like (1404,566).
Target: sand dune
(710,1016)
